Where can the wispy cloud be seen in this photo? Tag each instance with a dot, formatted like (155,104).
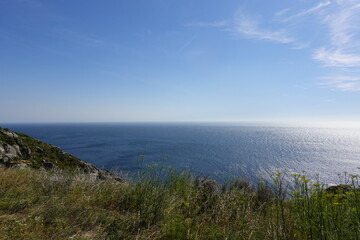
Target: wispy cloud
(344,83)
(248,27)
(79,37)
(282,11)
(342,51)
(300,45)
(336,58)
(335,44)
(186,45)
(308,11)
(207,24)
(343,23)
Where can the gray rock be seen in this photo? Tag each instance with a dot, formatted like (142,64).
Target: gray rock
(39,149)
(2,149)
(5,161)
(12,151)
(9,133)
(23,164)
(26,151)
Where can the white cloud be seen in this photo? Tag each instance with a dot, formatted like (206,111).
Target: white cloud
(344,83)
(78,37)
(308,11)
(248,27)
(335,27)
(282,12)
(342,51)
(186,45)
(343,23)
(300,45)
(336,58)
(208,24)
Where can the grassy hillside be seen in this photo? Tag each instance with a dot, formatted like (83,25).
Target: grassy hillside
(20,150)
(163,204)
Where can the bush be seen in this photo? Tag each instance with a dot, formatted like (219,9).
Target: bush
(164,204)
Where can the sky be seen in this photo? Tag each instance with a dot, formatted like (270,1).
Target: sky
(167,60)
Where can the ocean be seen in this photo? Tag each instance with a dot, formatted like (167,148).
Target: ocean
(218,150)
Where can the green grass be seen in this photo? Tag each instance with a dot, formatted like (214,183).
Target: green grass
(165,204)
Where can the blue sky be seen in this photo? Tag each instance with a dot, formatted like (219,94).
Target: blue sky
(165,60)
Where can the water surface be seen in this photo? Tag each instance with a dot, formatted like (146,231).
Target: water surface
(218,150)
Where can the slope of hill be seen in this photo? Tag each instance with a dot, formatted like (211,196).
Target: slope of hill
(20,150)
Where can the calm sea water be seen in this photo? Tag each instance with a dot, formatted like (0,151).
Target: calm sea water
(220,151)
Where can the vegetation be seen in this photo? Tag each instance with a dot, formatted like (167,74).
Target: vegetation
(164,204)
(34,153)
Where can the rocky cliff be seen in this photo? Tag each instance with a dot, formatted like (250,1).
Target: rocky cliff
(20,150)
